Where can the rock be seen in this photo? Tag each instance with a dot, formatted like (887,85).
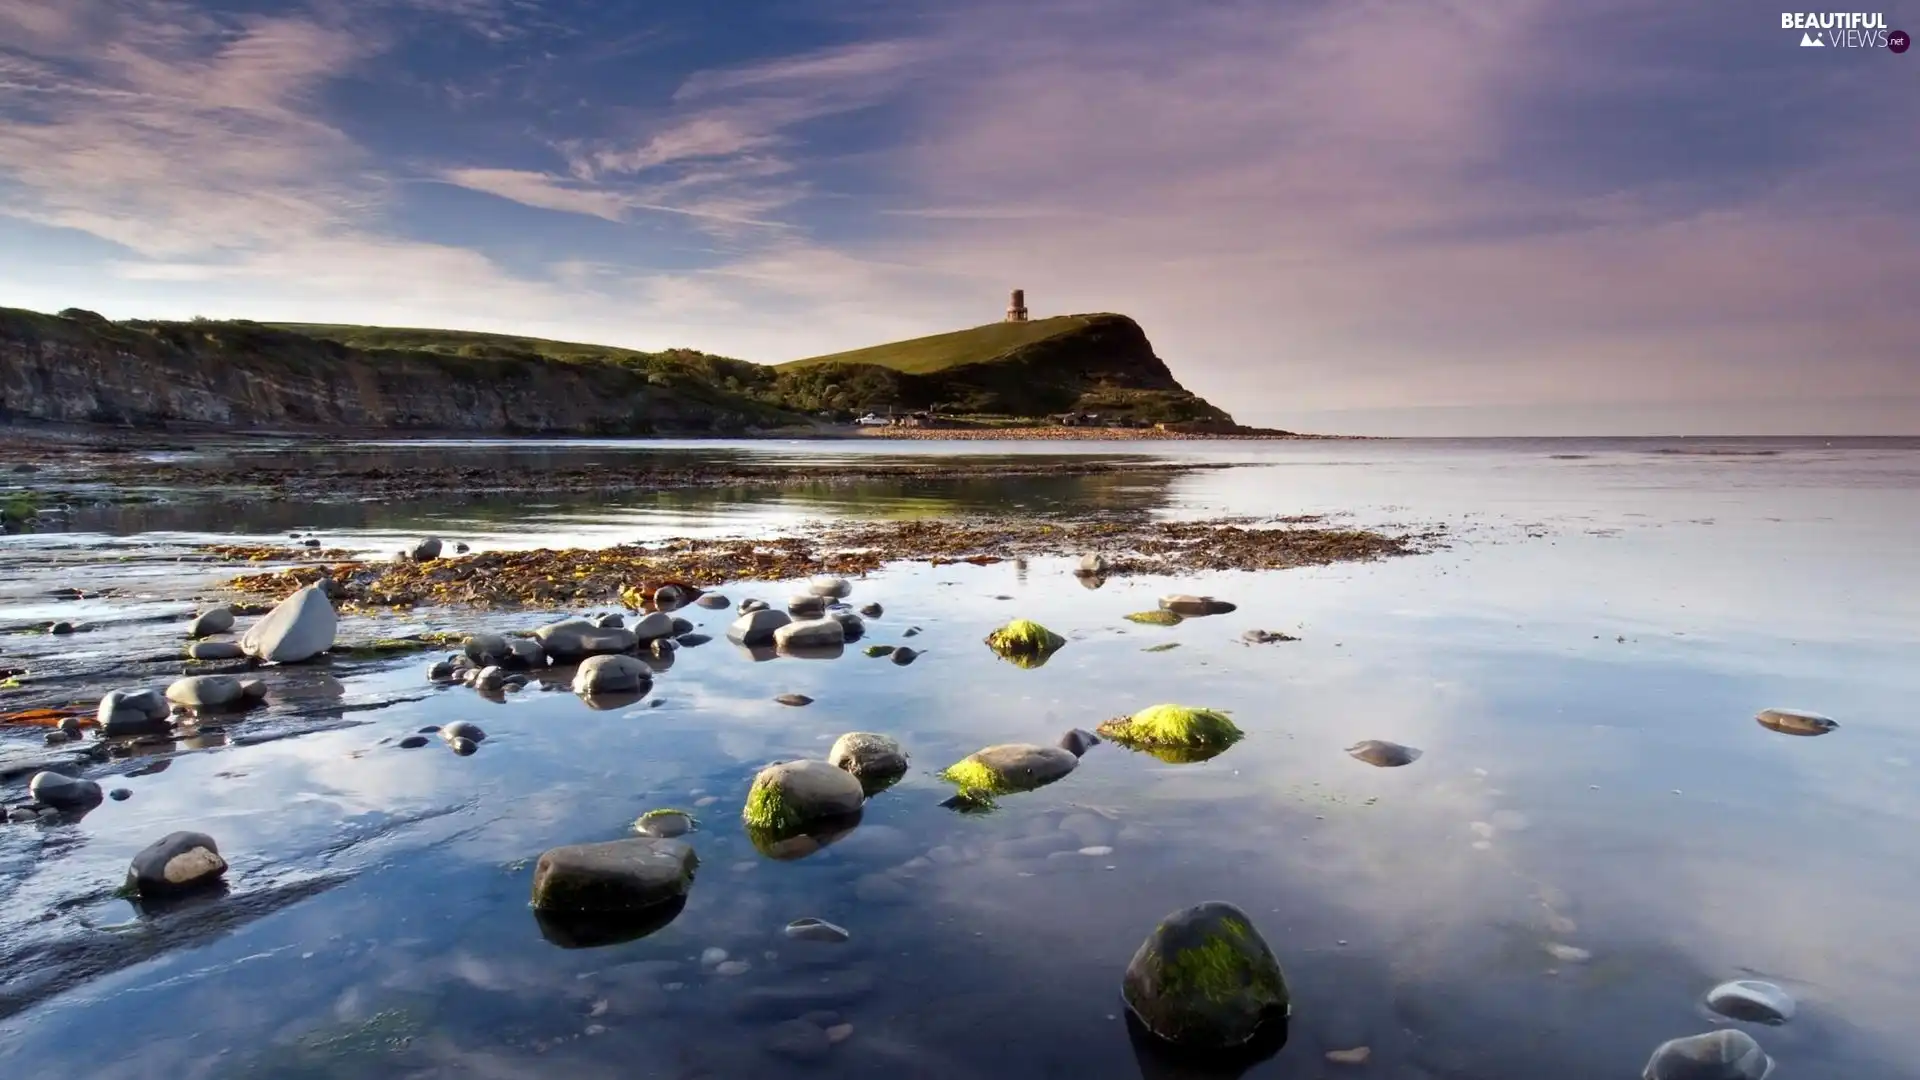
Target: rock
(1091,565)
(852,629)
(120,794)
(206,692)
(215,650)
(252,689)
(1206,980)
(664,824)
(133,712)
(63,792)
(463,729)
(463,747)
(575,639)
(20,815)
(691,641)
(1155,618)
(714,602)
(662,649)
(757,627)
(1796,722)
(878,650)
(799,1040)
(903,656)
(70,726)
(300,627)
(810,634)
(611,674)
(1189,607)
(441,671)
(491,677)
(1009,767)
(811,929)
(668,597)
(177,863)
(612,620)
(807,607)
(426,550)
(413,742)
(1265,637)
(865,754)
(681,626)
(795,700)
(1078,742)
(488,648)
(1386,755)
(1726,1054)
(793,794)
(655,626)
(618,875)
(461,548)
(216,620)
(61,627)
(1025,642)
(1751,1000)
(751,605)
(834,587)
(526,653)
(56,738)
(1173,726)
(871,611)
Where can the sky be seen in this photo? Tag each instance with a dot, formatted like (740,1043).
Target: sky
(1426,217)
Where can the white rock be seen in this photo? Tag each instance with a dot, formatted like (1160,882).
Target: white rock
(835,587)
(864,753)
(300,627)
(611,674)
(757,627)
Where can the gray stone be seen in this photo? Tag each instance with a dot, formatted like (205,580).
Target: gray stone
(653,626)
(463,729)
(807,607)
(1386,755)
(612,620)
(1078,741)
(300,627)
(903,656)
(443,671)
(487,648)
(750,605)
(120,794)
(1796,721)
(491,677)
(852,629)
(618,875)
(215,650)
(810,634)
(714,602)
(1726,1054)
(668,597)
(526,652)
(1751,1000)
(681,626)
(834,587)
(664,824)
(253,689)
(1193,606)
(872,611)
(56,738)
(1091,565)
(20,815)
(463,747)
(133,712)
(413,742)
(61,627)
(611,674)
(70,726)
(866,754)
(206,692)
(575,639)
(427,550)
(757,627)
(795,700)
(1206,980)
(63,792)
(792,794)
(216,620)
(177,863)
(1265,637)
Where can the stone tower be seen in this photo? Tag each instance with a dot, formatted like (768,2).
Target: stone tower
(1017,306)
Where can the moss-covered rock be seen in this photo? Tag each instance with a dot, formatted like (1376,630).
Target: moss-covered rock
(1025,642)
(787,796)
(619,875)
(1206,980)
(1155,618)
(789,844)
(1008,768)
(1173,727)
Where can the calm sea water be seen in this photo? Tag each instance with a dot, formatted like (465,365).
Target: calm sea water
(1581,668)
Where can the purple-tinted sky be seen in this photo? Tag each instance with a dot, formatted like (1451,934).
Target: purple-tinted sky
(1422,217)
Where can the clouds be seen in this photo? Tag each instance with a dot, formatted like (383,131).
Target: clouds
(1310,207)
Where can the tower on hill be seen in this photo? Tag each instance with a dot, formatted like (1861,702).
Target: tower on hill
(1017,306)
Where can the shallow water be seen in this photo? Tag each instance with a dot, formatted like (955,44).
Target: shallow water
(1580,669)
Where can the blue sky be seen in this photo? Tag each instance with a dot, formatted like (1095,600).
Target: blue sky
(1423,217)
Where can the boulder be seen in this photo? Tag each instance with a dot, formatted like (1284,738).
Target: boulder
(216,620)
(872,611)
(811,634)
(177,863)
(669,597)
(63,792)
(1025,642)
(790,795)
(1175,726)
(617,875)
(133,712)
(575,639)
(653,626)
(611,674)
(215,650)
(757,627)
(1009,767)
(486,648)
(1205,980)
(903,656)
(1726,1054)
(300,627)
(462,729)
(207,692)
(865,754)
(834,587)
(463,747)
(426,550)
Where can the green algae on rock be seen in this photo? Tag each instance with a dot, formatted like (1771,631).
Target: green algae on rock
(1008,768)
(1155,618)
(1174,727)
(787,796)
(1206,980)
(1025,642)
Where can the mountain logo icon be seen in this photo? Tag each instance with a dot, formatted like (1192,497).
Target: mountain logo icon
(1808,41)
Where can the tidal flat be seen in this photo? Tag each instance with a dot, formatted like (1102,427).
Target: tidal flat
(1521,787)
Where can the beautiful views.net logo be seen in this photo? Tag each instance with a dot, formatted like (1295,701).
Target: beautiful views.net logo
(1845,30)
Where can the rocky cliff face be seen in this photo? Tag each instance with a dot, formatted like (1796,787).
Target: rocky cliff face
(85,370)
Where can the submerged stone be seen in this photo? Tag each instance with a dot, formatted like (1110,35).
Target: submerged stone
(1265,637)
(1077,742)
(1205,980)
(1008,768)
(177,863)
(1796,722)
(903,656)
(789,795)
(1384,754)
(1091,565)
(713,602)
(617,875)
(1726,1054)
(1173,726)
(811,929)
(1155,618)
(1751,1000)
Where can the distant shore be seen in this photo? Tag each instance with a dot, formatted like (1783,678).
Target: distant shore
(1072,434)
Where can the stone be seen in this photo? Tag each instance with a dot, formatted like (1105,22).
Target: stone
(757,627)
(491,677)
(575,639)
(751,605)
(441,671)
(795,700)
(133,712)
(1155,617)
(810,634)
(463,729)
(811,929)
(300,627)
(835,587)
(611,674)
(1009,767)
(1206,980)
(852,629)
(63,792)
(691,641)
(878,650)
(61,627)
(1181,727)
(461,548)
(180,862)
(664,824)
(1025,639)
(1265,637)
(612,620)
(865,754)
(120,794)
(1796,722)
(253,689)
(613,876)
(1189,607)
(488,648)
(426,550)
(1751,1000)
(1386,755)
(871,611)
(413,742)
(654,626)
(713,602)
(903,656)
(215,650)
(70,726)
(1091,565)
(56,738)
(807,607)
(1077,742)
(793,794)
(463,747)
(216,620)
(207,692)
(526,652)
(1726,1054)
(668,597)
(681,626)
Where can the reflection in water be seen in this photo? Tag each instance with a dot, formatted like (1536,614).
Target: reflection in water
(598,929)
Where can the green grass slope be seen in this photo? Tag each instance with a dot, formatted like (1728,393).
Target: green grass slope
(982,344)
